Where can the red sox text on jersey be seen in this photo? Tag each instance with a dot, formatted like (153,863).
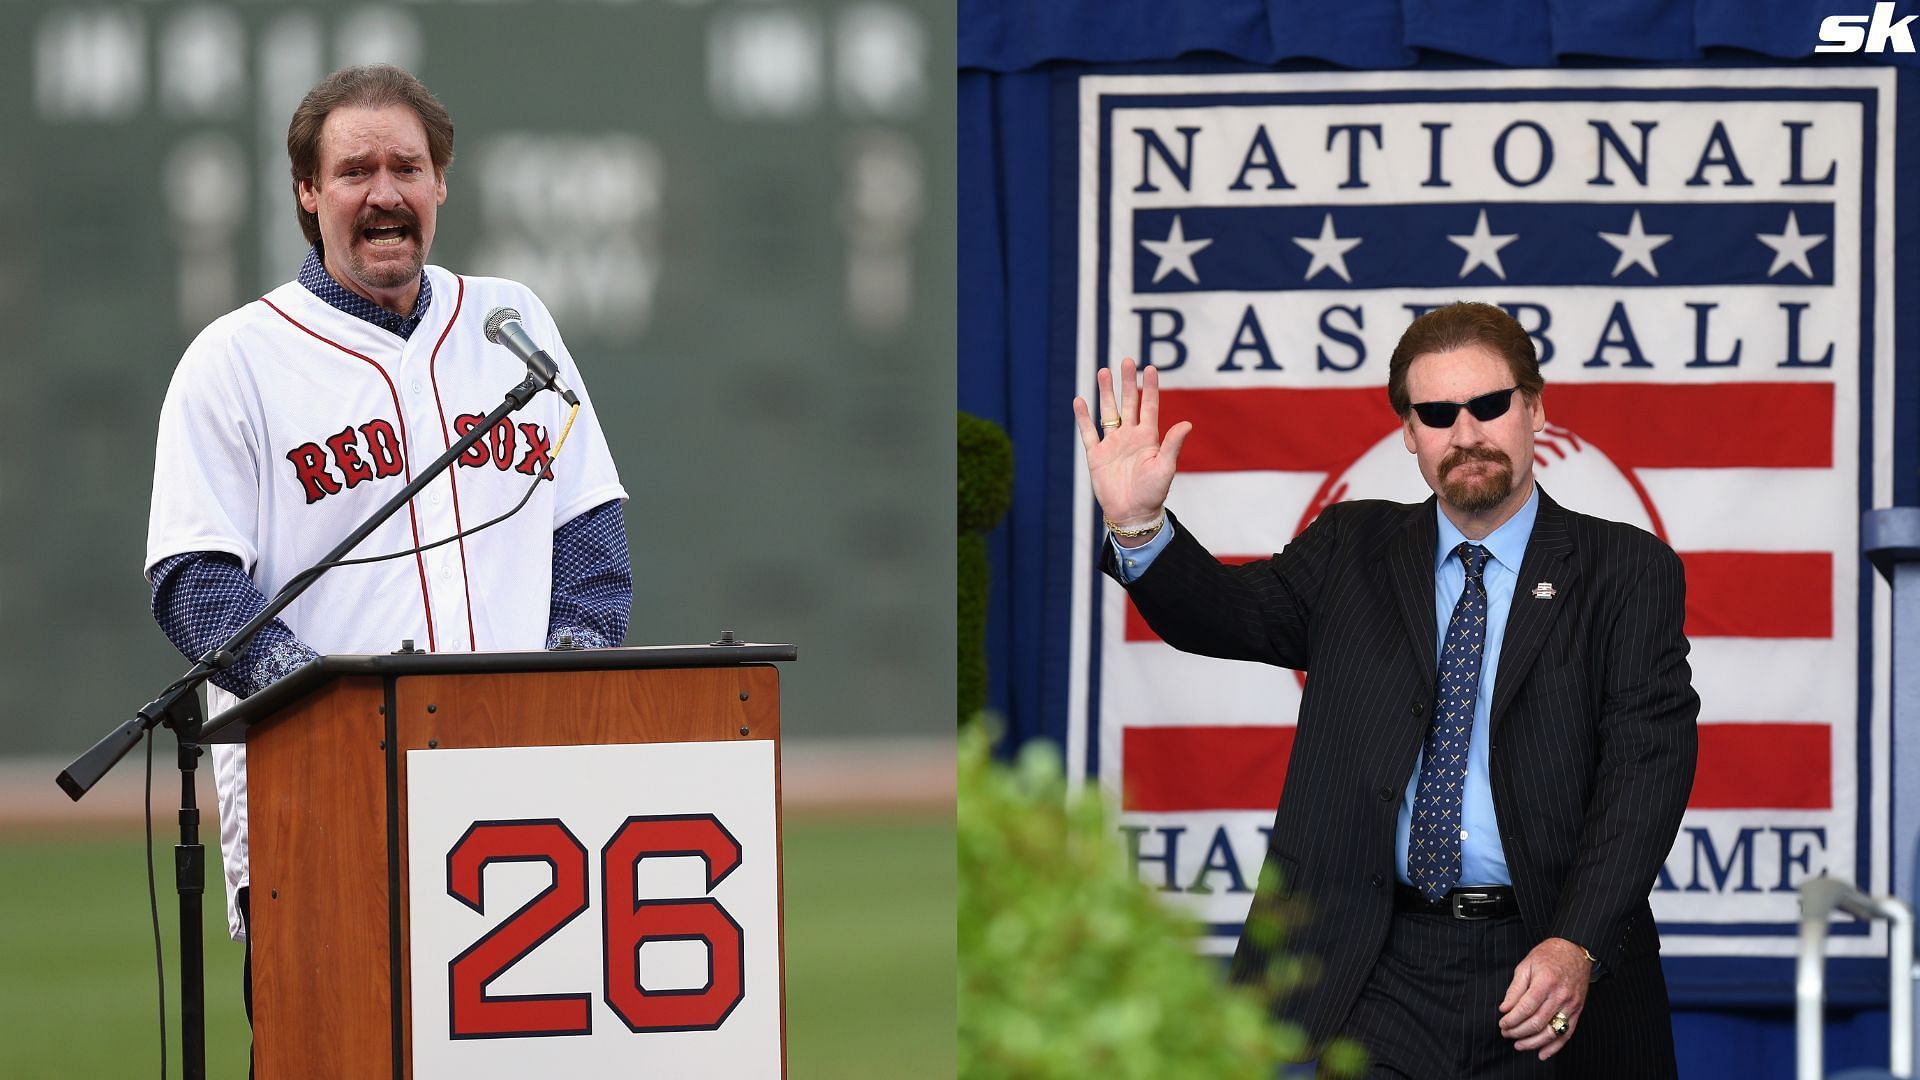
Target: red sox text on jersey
(372,451)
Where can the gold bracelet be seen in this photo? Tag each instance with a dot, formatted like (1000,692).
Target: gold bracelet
(1135,534)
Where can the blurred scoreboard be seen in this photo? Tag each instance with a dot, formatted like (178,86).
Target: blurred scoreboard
(739,212)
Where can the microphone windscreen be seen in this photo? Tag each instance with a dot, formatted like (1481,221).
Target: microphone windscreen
(495,318)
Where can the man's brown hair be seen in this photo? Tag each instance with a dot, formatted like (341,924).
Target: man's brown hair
(370,86)
(1455,327)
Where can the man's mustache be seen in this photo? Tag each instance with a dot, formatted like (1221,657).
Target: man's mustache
(1460,455)
(386,219)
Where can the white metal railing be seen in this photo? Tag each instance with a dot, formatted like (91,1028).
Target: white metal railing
(1819,899)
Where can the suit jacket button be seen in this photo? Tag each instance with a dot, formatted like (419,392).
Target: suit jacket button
(1416,708)
(1379,881)
(1386,794)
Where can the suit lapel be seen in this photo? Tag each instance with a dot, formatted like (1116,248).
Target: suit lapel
(1408,553)
(1549,558)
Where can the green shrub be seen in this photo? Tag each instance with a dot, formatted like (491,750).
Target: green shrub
(1069,967)
(985,487)
(986,474)
(970,607)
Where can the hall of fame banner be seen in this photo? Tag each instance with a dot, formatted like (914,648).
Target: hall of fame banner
(1703,258)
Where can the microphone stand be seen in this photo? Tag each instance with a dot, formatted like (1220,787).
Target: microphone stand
(178,707)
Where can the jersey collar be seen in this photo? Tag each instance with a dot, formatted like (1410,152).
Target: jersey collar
(314,276)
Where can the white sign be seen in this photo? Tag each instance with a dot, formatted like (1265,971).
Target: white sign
(594,911)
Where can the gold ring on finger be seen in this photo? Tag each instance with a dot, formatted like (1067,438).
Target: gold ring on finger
(1110,424)
(1558,1025)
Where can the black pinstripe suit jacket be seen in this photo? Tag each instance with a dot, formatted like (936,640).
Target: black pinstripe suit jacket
(1592,738)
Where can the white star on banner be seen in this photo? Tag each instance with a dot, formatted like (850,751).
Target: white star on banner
(1329,251)
(1635,246)
(1176,253)
(1483,248)
(1790,247)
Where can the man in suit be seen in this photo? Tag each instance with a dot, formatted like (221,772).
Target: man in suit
(1496,739)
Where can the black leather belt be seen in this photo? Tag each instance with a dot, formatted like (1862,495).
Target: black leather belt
(1465,902)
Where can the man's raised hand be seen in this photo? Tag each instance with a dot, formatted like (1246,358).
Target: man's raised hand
(1130,465)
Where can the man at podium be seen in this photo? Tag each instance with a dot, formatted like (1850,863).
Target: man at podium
(290,420)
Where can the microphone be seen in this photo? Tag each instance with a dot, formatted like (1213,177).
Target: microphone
(503,328)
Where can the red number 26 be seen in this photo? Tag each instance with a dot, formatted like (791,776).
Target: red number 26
(628,922)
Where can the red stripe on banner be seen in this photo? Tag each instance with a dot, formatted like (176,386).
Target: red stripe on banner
(1170,769)
(1764,767)
(1181,769)
(1637,425)
(1745,594)
(1759,594)
(1273,428)
(1724,425)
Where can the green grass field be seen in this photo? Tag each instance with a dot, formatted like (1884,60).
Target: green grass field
(870,963)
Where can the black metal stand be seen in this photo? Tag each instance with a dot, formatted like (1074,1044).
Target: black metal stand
(190,887)
(179,708)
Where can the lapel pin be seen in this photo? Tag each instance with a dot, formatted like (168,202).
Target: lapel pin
(1543,591)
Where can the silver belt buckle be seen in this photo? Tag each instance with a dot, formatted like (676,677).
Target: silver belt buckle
(1459,898)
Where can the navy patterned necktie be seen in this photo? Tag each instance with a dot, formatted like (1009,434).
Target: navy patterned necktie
(1433,846)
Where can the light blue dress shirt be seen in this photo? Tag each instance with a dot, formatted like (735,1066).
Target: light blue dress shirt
(1483,859)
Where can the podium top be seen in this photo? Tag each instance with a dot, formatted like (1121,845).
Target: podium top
(232,725)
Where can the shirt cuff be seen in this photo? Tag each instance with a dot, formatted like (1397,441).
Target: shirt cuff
(579,637)
(1134,561)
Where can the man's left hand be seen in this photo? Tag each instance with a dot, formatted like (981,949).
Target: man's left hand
(1551,979)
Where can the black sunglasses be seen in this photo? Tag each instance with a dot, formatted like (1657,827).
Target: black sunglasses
(1440,414)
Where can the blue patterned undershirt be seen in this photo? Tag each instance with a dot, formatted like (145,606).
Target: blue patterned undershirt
(201,597)
(316,280)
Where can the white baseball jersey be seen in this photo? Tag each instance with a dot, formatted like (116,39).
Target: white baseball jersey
(288,422)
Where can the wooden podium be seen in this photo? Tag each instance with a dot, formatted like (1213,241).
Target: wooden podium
(330,751)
